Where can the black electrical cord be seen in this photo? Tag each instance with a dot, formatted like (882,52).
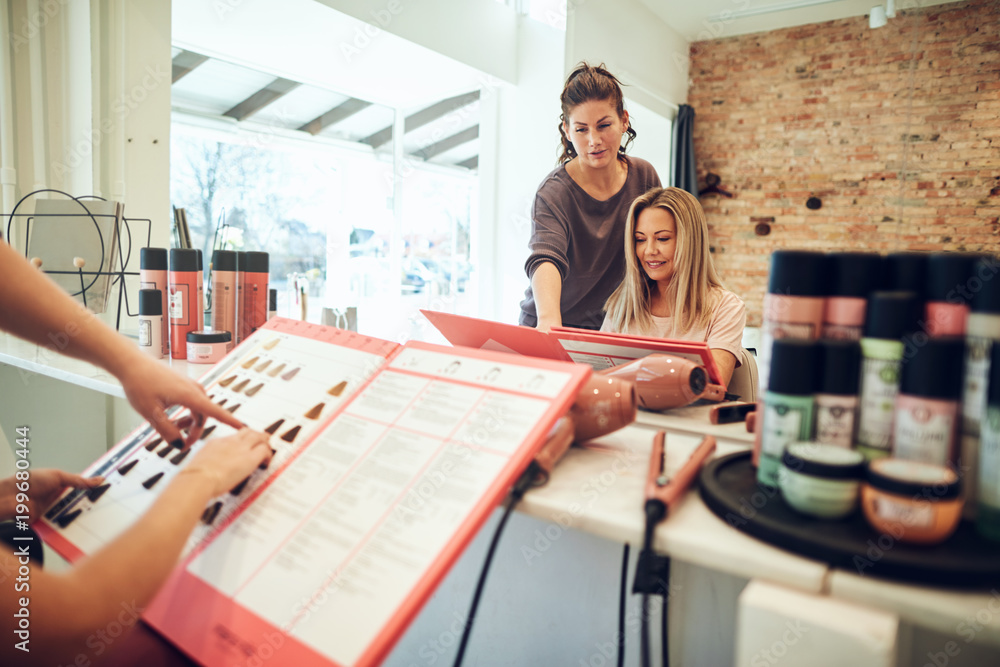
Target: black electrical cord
(664,637)
(524,482)
(655,512)
(644,637)
(621,608)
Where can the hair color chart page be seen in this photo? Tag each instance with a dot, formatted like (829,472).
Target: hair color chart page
(602,350)
(338,553)
(287,380)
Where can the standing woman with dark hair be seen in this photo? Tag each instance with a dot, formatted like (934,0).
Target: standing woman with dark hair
(671,288)
(578,217)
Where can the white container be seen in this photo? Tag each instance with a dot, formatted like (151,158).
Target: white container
(821,480)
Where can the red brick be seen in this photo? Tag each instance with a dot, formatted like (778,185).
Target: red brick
(823,110)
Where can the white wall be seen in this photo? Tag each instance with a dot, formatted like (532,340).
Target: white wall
(87,96)
(518,147)
(636,45)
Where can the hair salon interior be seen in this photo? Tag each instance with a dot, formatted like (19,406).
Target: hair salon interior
(386,154)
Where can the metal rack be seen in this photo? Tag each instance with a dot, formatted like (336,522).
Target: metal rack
(122,255)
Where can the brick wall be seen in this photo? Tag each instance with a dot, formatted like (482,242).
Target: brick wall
(896,130)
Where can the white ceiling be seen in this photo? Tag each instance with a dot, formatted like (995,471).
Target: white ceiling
(240,64)
(715,19)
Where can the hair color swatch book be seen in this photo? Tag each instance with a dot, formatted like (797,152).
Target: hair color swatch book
(389,459)
(597,349)
(602,349)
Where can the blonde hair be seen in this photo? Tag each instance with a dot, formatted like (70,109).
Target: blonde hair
(694,289)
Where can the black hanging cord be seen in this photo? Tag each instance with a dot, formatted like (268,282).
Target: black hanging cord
(652,577)
(664,636)
(621,607)
(522,485)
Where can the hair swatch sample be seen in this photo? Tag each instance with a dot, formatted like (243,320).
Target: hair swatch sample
(292,373)
(269,345)
(153,445)
(223,401)
(166,450)
(123,470)
(180,456)
(264,364)
(289,435)
(338,388)
(238,489)
(212,511)
(238,387)
(96,492)
(249,362)
(68,518)
(266,462)
(228,381)
(62,504)
(277,369)
(273,428)
(254,389)
(232,408)
(315,411)
(151,482)
(207,432)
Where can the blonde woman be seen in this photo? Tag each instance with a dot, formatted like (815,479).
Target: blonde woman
(671,289)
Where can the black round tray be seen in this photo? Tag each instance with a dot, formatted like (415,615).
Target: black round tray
(729,487)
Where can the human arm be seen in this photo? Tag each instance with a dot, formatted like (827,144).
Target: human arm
(36,309)
(40,489)
(546,286)
(725,362)
(548,261)
(68,607)
(725,333)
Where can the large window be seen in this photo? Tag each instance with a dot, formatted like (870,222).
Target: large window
(355,238)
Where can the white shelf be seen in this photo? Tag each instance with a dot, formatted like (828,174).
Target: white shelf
(50,363)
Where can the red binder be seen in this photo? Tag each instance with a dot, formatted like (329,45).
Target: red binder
(390,458)
(598,349)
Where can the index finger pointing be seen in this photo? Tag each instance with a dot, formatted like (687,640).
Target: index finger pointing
(202,404)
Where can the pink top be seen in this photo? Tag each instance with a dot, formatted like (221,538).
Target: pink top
(724,330)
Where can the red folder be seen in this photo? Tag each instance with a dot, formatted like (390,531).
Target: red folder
(498,336)
(598,349)
(390,458)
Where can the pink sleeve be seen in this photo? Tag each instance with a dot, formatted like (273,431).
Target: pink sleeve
(725,332)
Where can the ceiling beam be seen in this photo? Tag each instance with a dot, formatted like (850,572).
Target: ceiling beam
(423,117)
(471,163)
(448,143)
(343,110)
(262,98)
(184,62)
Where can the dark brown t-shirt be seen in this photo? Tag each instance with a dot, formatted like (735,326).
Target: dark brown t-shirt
(584,238)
